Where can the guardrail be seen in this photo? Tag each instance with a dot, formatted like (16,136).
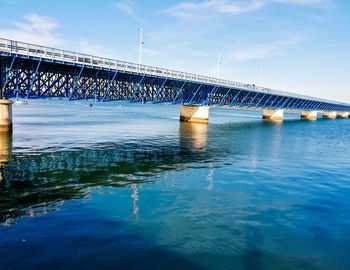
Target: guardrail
(27,49)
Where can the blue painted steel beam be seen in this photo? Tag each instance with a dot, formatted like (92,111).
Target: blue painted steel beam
(76,81)
(224,97)
(215,88)
(137,88)
(26,78)
(7,75)
(235,97)
(160,89)
(260,100)
(29,90)
(194,95)
(251,101)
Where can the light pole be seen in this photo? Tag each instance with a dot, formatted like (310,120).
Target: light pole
(260,76)
(218,66)
(140,48)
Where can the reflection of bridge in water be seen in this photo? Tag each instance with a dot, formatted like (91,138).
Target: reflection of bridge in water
(32,183)
(42,180)
(5,151)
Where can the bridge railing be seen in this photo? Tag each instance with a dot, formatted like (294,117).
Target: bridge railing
(27,49)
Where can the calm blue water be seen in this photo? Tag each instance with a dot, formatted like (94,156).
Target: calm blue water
(126,186)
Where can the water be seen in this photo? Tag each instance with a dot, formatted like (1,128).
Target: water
(126,186)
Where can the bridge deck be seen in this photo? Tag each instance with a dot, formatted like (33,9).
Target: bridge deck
(27,69)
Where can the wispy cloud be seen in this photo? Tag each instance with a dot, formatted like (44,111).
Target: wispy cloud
(263,51)
(34,29)
(192,10)
(127,7)
(92,48)
(43,30)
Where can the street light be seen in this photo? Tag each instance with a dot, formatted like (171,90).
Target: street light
(218,66)
(140,49)
(261,76)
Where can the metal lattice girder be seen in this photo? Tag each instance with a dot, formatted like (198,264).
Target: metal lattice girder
(224,96)
(210,95)
(4,79)
(179,92)
(38,78)
(157,97)
(252,100)
(256,101)
(76,82)
(235,97)
(109,85)
(33,78)
(291,104)
(136,90)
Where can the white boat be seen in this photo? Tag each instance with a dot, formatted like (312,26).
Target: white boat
(21,102)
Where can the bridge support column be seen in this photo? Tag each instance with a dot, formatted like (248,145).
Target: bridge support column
(343,114)
(309,115)
(330,115)
(273,114)
(196,114)
(6,115)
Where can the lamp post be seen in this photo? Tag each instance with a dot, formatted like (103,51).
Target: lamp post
(218,66)
(140,47)
(260,76)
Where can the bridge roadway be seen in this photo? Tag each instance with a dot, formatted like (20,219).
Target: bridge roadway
(33,71)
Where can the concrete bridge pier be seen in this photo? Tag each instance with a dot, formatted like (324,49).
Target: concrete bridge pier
(273,115)
(195,114)
(6,115)
(343,114)
(330,115)
(309,115)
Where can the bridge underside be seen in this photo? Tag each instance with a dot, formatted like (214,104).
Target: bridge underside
(29,77)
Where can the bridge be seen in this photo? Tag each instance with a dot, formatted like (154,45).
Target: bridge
(34,71)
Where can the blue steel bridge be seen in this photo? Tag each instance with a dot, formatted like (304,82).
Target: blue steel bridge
(33,71)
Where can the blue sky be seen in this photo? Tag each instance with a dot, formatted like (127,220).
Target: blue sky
(295,45)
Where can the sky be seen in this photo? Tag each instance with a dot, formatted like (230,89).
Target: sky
(302,46)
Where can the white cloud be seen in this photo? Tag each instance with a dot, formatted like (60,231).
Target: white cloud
(192,10)
(263,51)
(88,47)
(128,7)
(34,29)
(42,30)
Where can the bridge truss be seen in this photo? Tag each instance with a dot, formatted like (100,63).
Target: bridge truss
(40,72)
